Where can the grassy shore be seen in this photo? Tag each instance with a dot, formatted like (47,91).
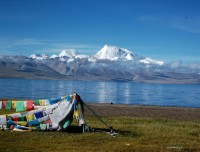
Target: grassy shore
(139,128)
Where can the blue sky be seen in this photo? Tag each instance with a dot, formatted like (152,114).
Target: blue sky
(161,29)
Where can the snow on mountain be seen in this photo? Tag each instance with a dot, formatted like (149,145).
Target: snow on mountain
(68,53)
(151,61)
(39,57)
(69,60)
(81,56)
(110,63)
(86,57)
(114,53)
(54,56)
(92,59)
(108,52)
(71,55)
(34,56)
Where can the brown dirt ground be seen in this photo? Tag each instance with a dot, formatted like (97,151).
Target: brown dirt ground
(173,113)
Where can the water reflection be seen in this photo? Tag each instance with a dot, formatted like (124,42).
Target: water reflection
(101,91)
(116,92)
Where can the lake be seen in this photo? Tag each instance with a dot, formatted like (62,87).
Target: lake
(104,92)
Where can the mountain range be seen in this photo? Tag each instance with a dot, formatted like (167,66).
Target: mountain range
(110,63)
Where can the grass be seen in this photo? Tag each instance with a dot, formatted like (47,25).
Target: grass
(134,134)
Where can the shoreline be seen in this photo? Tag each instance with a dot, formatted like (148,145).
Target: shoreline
(144,111)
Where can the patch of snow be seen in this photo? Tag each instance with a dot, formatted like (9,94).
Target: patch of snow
(39,57)
(129,57)
(68,53)
(63,59)
(44,56)
(151,61)
(54,56)
(70,60)
(81,56)
(92,59)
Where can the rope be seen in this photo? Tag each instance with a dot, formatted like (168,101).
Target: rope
(98,117)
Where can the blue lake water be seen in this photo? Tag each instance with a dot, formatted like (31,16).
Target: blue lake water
(104,92)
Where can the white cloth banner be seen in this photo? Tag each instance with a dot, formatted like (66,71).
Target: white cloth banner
(59,113)
(0,104)
(3,120)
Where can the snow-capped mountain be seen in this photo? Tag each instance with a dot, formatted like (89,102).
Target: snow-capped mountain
(39,57)
(68,53)
(114,53)
(108,52)
(110,63)
(54,56)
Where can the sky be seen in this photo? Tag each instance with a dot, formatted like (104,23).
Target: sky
(167,30)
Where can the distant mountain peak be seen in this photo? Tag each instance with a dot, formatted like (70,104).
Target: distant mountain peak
(108,52)
(109,63)
(34,56)
(68,53)
(114,53)
(39,57)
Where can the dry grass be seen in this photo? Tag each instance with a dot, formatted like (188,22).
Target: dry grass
(134,134)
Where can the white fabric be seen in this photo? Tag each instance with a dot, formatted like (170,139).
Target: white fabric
(46,102)
(32,112)
(59,112)
(0,104)
(15,115)
(43,126)
(49,108)
(40,107)
(24,104)
(3,120)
